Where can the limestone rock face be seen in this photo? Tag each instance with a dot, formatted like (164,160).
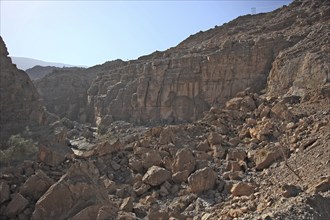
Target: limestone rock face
(20,104)
(207,68)
(64,92)
(303,68)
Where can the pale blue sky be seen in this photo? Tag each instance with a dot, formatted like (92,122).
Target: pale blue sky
(92,32)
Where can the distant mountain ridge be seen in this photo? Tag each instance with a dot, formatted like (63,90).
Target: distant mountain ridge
(25,63)
(38,72)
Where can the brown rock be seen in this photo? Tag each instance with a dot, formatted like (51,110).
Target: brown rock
(203,146)
(75,190)
(20,104)
(4,192)
(181,176)
(236,154)
(218,151)
(281,111)
(262,131)
(242,189)
(215,138)
(106,148)
(64,92)
(127,204)
(202,180)
(290,190)
(135,165)
(89,212)
(36,185)
(151,158)
(107,212)
(265,157)
(54,154)
(234,103)
(323,185)
(166,136)
(233,175)
(16,205)
(158,214)
(140,188)
(156,176)
(184,160)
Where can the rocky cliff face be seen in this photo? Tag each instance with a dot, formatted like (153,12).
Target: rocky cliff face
(285,51)
(303,69)
(20,103)
(64,92)
(210,67)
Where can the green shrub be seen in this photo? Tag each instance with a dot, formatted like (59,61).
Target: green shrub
(19,149)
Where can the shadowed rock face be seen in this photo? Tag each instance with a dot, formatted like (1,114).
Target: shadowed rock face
(20,104)
(210,67)
(64,92)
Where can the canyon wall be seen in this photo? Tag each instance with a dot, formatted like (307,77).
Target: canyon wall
(64,92)
(20,105)
(285,52)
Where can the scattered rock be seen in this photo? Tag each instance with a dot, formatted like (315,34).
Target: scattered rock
(242,189)
(127,204)
(156,176)
(180,176)
(36,185)
(215,138)
(290,190)
(203,146)
(106,148)
(236,154)
(323,185)
(282,112)
(16,205)
(184,160)
(202,180)
(263,158)
(166,136)
(54,154)
(75,190)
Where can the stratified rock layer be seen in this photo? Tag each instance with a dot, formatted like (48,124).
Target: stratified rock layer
(211,67)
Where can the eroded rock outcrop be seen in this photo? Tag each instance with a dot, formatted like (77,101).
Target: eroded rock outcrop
(20,102)
(206,69)
(64,92)
(303,68)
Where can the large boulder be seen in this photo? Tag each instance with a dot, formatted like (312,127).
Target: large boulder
(184,160)
(156,176)
(16,205)
(54,154)
(202,180)
(76,190)
(36,185)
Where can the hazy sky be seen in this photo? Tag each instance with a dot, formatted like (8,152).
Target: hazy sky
(92,32)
